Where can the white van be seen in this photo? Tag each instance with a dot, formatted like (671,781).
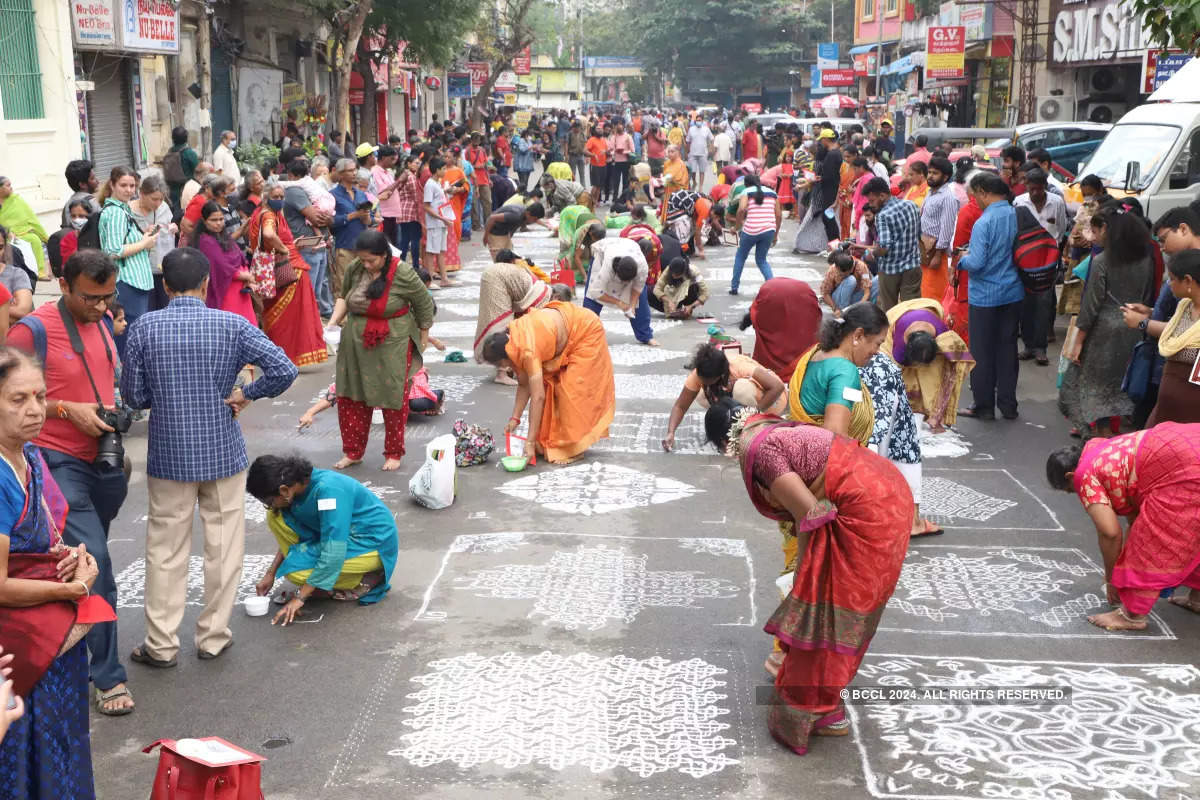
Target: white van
(1153,152)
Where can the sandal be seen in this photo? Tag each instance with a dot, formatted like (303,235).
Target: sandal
(103,697)
(839,728)
(1185,602)
(140,655)
(774,663)
(928,529)
(364,587)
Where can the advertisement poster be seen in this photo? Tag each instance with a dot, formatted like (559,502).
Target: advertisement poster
(94,23)
(835,78)
(945,52)
(479,74)
(864,63)
(522,63)
(150,25)
(458,84)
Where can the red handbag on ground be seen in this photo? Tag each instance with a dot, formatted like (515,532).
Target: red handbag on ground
(208,769)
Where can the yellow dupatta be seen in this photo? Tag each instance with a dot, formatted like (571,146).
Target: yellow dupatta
(862,414)
(1172,340)
(933,388)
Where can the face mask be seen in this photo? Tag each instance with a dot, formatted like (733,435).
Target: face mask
(232,143)
(276,205)
(78,222)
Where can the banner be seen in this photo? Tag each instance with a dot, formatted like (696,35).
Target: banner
(95,24)
(479,74)
(945,52)
(507,82)
(458,84)
(827,59)
(831,78)
(154,27)
(865,64)
(523,62)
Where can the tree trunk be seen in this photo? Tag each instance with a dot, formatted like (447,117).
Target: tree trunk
(485,91)
(339,95)
(370,124)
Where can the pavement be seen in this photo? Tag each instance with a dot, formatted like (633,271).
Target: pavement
(595,630)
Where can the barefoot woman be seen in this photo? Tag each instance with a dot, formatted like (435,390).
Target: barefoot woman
(565,376)
(852,512)
(387,313)
(1151,477)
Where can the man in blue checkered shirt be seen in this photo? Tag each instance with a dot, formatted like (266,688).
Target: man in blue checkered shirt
(897,250)
(182,363)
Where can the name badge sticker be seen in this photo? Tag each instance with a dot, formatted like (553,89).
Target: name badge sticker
(326,504)
(853,395)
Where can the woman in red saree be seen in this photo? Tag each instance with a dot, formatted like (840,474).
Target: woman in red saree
(291,319)
(853,513)
(1151,477)
(785,315)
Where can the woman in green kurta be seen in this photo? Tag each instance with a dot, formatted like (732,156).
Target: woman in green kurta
(570,221)
(18,217)
(385,313)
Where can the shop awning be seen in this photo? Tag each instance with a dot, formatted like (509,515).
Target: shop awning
(867,48)
(903,66)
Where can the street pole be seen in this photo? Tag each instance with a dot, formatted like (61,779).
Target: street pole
(831,21)
(878,47)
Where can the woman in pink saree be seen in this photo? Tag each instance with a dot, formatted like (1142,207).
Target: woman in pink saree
(1152,478)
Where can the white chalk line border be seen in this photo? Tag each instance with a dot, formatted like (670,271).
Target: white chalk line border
(1023,487)
(1167,632)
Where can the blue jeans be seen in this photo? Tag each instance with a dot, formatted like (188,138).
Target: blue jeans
(135,302)
(410,239)
(761,242)
(848,292)
(318,263)
(641,318)
(95,496)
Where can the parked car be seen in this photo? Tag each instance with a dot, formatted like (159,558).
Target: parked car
(1068,143)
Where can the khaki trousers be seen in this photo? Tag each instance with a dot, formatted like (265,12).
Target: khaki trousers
(168,547)
(337,269)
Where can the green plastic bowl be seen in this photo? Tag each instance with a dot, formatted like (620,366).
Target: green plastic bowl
(514,463)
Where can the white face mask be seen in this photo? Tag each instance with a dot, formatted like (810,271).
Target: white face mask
(232,143)
(78,222)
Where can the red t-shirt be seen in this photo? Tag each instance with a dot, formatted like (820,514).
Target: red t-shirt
(66,378)
(192,213)
(504,150)
(749,144)
(477,157)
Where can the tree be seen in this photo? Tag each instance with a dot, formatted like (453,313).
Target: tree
(1171,23)
(500,38)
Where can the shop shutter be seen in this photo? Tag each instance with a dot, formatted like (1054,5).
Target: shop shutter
(110,132)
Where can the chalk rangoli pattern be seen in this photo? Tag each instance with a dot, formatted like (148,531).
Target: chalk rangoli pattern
(1129,730)
(645,716)
(635,355)
(131,582)
(486,542)
(456,387)
(648,387)
(460,309)
(592,586)
(255,510)
(636,432)
(943,500)
(616,323)
(717,547)
(467,292)
(947,444)
(453,329)
(596,489)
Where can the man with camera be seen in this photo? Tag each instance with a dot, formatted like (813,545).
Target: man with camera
(81,440)
(182,363)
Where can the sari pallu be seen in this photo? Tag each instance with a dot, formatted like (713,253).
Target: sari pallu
(862,415)
(785,314)
(848,571)
(506,291)
(1162,547)
(934,388)
(291,319)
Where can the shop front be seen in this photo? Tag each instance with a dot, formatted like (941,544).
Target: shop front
(1095,52)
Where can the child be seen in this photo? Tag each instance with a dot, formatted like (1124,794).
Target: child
(847,281)
(119,324)
(318,195)
(421,400)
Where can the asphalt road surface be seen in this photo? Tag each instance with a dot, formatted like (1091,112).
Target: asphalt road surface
(595,630)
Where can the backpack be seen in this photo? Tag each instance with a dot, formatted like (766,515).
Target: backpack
(1035,253)
(173,168)
(89,234)
(54,250)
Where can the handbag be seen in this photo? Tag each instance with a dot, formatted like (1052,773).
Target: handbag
(1140,370)
(285,273)
(262,268)
(205,769)
(472,444)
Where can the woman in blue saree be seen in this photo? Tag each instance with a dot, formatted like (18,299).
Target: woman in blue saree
(336,538)
(45,606)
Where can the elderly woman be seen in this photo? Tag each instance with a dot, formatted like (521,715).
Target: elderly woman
(386,312)
(150,209)
(851,512)
(1152,478)
(336,538)
(19,219)
(506,292)
(290,318)
(15,277)
(934,359)
(565,376)
(128,245)
(46,605)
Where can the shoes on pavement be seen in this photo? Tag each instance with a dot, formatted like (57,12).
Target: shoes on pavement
(1010,415)
(733,292)
(975,413)
(1025,355)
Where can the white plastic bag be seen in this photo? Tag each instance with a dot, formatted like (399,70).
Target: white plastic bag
(433,484)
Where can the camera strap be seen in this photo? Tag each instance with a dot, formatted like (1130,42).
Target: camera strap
(77,345)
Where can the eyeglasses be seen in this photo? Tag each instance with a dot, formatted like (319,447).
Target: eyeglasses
(96,299)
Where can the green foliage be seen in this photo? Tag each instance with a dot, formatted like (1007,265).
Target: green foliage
(1171,23)
(252,156)
(432,38)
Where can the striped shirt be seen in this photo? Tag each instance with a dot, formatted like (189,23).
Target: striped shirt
(760,217)
(117,229)
(939,216)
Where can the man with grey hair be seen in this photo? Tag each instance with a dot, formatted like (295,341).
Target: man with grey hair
(192,186)
(224,162)
(559,193)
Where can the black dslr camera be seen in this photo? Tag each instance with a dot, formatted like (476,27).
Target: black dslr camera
(110,452)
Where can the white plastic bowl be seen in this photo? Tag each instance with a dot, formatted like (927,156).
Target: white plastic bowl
(257,606)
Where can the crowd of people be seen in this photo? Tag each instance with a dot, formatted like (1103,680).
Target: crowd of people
(193,293)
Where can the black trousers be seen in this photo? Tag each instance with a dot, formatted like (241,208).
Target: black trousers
(693,294)
(1037,317)
(994,346)
(833,230)
(618,178)
(599,181)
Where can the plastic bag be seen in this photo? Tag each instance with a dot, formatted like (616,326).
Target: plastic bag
(473,444)
(433,485)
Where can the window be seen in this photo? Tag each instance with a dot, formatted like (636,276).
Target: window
(893,7)
(868,10)
(20,75)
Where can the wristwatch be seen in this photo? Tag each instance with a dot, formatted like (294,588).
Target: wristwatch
(1143,325)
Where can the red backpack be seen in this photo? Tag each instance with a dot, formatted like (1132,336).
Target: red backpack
(1035,252)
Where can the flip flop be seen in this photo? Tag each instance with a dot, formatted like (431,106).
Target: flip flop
(103,697)
(929,529)
(140,655)
(203,656)
(1182,602)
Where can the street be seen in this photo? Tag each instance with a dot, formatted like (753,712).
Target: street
(595,630)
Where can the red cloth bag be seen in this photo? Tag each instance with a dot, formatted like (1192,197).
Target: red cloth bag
(181,777)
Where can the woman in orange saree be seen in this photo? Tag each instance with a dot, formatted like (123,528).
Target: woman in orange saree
(565,376)
(291,318)
(455,184)
(853,513)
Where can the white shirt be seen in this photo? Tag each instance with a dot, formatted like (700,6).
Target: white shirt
(724,146)
(436,198)
(225,164)
(880,170)
(1053,215)
(698,137)
(604,280)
